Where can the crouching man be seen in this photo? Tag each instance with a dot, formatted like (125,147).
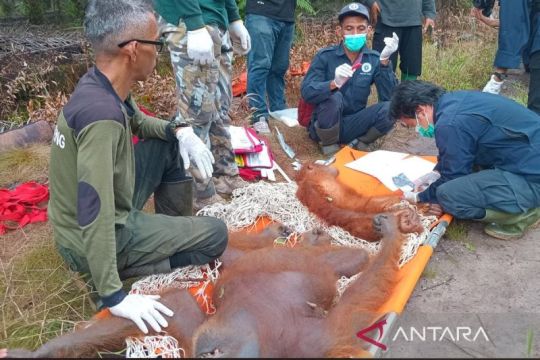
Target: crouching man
(99,181)
(489,155)
(338,84)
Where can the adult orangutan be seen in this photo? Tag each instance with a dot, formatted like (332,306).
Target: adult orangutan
(270,302)
(109,334)
(285,295)
(337,204)
(241,242)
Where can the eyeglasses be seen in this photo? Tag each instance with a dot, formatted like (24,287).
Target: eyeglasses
(158,44)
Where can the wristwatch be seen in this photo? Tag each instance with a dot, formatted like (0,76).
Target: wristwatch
(500,76)
(176,123)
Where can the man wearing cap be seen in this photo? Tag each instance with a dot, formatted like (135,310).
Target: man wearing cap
(339,81)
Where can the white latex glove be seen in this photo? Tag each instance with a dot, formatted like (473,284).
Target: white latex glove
(200,46)
(193,149)
(410,196)
(138,307)
(392,44)
(240,35)
(342,74)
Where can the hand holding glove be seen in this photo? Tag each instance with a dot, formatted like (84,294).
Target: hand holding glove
(200,46)
(240,35)
(392,44)
(342,74)
(193,149)
(140,308)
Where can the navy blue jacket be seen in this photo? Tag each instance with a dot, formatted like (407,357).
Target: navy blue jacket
(476,128)
(316,85)
(519,33)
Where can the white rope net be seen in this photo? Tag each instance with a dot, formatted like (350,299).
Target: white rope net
(277,201)
(153,347)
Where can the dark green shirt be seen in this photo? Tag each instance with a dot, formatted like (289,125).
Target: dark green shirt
(281,10)
(399,13)
(92,174)
(196,14)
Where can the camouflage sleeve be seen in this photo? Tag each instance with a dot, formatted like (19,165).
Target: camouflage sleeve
(232,10)
(97,146)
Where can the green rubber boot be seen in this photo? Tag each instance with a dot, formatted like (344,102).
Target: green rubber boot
(506,226)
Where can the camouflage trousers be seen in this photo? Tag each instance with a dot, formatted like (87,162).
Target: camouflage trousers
(204,95)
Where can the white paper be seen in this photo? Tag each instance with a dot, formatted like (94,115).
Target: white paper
(287,116)
(241,139)
(384,165)
(260,159)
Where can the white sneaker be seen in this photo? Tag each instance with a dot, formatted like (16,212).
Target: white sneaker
(261,126)
(493,86)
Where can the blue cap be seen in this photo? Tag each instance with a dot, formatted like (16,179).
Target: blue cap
(354,9)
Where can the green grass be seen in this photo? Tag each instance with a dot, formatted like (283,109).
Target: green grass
(457,230)
(40,298)
(519,93)
(462,65)
(530,342)
(26,164)
(429,274)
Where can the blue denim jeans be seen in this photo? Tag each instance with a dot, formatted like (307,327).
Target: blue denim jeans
(268,61)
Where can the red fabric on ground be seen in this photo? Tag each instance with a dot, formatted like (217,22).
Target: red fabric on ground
(249,174)
(25,204)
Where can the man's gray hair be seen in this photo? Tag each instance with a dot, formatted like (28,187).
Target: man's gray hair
(110,22)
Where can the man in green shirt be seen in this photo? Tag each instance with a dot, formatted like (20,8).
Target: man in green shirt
(99,181)
(198,34)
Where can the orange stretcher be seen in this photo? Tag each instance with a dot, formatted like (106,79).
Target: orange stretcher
(410,273)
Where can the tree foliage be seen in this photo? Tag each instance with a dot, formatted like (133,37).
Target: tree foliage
(44,11)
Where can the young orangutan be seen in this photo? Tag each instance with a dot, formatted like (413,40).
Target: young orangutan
(339,205)
(281,292)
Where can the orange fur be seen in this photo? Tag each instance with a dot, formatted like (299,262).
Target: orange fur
(339,205)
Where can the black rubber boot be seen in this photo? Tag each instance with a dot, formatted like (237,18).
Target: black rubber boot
(329,139)
(370,136)
(174,199)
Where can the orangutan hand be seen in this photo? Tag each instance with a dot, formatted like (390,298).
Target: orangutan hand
(430,209)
